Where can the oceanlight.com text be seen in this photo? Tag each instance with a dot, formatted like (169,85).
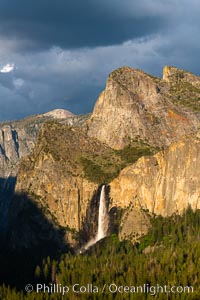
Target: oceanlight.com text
(54,288)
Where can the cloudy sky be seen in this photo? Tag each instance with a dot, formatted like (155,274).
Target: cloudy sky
(58,53)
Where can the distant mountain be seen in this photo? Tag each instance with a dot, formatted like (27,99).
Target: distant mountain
(59,114)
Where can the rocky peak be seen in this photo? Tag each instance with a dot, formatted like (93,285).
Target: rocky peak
(175,76)
(58,114)
(137,105)
(184,88)
(134,80)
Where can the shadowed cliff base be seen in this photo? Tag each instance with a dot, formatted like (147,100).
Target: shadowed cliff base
(7,187)
(29,239)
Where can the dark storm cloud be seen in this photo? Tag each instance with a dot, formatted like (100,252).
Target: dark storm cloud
(58,54)
(76,23)
(6,80)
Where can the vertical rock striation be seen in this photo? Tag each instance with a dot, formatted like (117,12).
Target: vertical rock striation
(136,105)
(164,183)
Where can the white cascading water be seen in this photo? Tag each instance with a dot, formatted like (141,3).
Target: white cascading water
(102,222)
(103,216)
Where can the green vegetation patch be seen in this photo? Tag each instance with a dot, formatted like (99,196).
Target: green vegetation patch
(99,173)
(185,94)
(135,150)
(104,168)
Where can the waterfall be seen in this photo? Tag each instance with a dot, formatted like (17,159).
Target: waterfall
(103,216)
(102,222)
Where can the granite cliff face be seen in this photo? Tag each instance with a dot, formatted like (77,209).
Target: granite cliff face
(135,105)
(164,183)
(15,142)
